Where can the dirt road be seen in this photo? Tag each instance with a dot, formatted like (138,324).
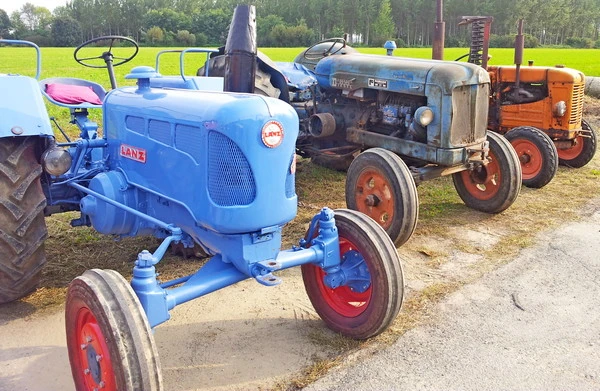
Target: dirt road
(533,324)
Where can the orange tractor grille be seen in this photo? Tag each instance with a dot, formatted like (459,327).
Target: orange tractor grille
(576,104)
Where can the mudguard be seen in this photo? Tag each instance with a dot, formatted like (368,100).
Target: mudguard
(22,108)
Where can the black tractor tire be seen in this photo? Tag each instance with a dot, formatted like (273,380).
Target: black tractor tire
(492,189)
(380,185)
(22,225)
(580,154)
(537,154)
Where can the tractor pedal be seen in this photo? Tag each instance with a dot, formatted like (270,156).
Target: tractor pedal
(268,279)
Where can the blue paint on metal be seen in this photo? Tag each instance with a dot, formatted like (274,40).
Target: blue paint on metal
(23,110)
(221,270)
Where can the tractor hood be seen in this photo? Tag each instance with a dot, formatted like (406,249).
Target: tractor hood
(533,74)
(398,74)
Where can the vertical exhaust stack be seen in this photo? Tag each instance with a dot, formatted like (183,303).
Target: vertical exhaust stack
(439,33)
(240,50)
(519,48)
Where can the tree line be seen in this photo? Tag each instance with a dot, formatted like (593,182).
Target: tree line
(295,23)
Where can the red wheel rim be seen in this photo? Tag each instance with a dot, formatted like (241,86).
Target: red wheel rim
(573,152)
(93,355)
(343,300)
(485,183)
(529,156)
(374,197)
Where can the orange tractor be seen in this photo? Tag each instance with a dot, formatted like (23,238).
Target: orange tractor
(538,109)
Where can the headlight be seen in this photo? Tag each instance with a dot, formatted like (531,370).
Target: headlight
(559,109)
(424,115)
(56,161)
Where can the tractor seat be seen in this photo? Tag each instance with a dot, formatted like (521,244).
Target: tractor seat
(73,93)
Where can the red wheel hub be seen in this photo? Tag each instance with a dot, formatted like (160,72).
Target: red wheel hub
(573,152)
(94,358)
(374,197)
(483,183)
(343,299)
(529,156)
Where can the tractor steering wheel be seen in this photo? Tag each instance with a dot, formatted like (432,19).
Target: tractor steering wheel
(106,56)
(317,53)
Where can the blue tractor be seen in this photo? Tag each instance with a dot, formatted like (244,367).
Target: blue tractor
(204,168)
(391,123)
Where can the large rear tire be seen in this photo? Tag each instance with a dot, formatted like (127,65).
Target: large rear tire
(109,340)
(537,154)
(367,305)
(582,152)
(22,225)
(494,187)
(380,185)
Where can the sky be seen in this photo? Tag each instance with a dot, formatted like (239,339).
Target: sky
(12,5)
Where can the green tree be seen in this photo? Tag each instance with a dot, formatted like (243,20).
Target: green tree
(213,23)
(155,35)
(167,19)
(186,38)
(66,31)
(383,28)
(5,24)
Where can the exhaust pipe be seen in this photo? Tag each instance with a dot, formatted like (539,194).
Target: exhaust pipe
(240,51)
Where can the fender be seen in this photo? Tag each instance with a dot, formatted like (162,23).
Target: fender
(21,104)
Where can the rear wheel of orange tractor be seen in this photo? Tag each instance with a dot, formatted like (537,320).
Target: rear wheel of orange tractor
(537,154)
(494,187)
(582,152)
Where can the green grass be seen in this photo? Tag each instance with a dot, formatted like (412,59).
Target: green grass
(59,62)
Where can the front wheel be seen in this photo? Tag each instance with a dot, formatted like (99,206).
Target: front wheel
(372,296)
(537,154)
(109,340)
(22,225)
(494,187)
(380,185)
(582,151)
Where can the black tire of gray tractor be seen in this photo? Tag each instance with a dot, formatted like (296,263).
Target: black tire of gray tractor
(540,162)
(504,185)
(387,281)
(589,145)
(380,176)
(22,225)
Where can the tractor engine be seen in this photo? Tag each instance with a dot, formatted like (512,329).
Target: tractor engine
(392,114)
(428,103)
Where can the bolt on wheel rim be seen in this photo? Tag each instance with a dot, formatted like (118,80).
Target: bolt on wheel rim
(94,356)
(530,158)
(483,184)
(374,197)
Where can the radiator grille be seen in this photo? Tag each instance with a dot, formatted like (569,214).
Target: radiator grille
(136,124)
(576,105)
(230,179)
(469,114)
(160,131)
(188,139)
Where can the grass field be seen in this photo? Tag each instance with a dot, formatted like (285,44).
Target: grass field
(59,62)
